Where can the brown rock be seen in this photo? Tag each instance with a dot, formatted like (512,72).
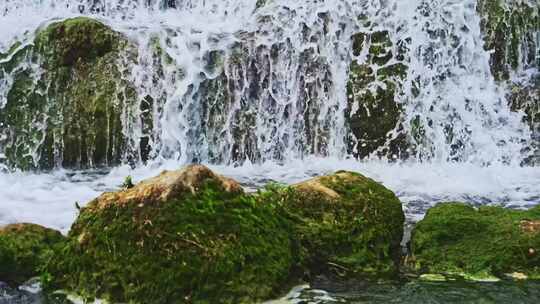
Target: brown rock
(166,186)
(528,226)
(319,186)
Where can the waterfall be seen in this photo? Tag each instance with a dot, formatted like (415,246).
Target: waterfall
(230,81)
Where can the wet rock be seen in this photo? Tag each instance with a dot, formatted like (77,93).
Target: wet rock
(347,226)
(190,227)
(524,97)
(24,248)
(509,29)
(374,112)
(67,97)
(477,244)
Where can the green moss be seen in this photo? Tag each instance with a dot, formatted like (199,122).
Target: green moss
(353,232)
(65,43)
(456,238)
(24,248)
(216,247)
(70,114)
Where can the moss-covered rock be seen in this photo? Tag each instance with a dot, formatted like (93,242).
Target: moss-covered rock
(483,243)
(188,236)
(509,28)
(346,225)
(24,248)
(65,43)
(373,87)
(67,97)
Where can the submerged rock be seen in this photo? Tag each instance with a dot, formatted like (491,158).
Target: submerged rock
(479,244)
(187,236)
(346,225)
(66,98)
(24,248)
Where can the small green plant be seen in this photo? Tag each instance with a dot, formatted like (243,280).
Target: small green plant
(128,182)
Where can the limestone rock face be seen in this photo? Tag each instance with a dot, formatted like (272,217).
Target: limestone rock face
(479,244)
(23,249)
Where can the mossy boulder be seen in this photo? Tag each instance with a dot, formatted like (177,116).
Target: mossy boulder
(346,225)
(67,97)
(481,244)
(65,43)
(187,236)
(24,248)
(375,81)
(509,29)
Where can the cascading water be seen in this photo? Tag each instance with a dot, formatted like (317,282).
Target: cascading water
(242,82)
(261,90)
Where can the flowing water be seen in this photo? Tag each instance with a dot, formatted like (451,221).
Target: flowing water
(284,66)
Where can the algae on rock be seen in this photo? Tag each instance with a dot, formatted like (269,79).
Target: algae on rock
(24,249)
(67,98)
(458,239)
